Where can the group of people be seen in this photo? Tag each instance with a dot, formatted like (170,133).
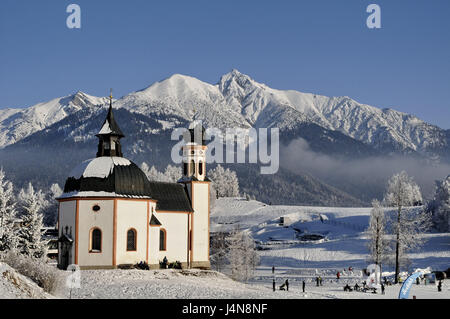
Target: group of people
(318,281)
(364,288)
(284,286)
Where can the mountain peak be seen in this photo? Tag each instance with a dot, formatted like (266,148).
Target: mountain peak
(235,82)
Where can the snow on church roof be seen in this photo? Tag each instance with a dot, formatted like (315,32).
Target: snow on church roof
(99,194)
(100,167)
(105,129)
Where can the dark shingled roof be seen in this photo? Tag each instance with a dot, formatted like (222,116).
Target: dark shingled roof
(170,196)
(115,129)
(127,180)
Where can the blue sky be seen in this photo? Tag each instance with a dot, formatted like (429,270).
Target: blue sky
(318,46)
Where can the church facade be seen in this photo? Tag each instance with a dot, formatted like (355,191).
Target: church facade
(110,215)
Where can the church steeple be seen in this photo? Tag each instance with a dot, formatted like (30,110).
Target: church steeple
(194,152)
(110,135)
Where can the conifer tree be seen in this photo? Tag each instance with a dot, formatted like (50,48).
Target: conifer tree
(8,233)
(31,242)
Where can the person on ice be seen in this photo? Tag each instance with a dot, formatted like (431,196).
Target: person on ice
(338,275)
(273,284)
(303,286)
(287,284)
(382,288)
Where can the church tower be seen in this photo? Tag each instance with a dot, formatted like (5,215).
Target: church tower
(194,152)
(110,135)
(198,188)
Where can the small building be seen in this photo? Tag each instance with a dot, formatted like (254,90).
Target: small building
(111,215)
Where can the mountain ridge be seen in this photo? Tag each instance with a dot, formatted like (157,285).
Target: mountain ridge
(237,100)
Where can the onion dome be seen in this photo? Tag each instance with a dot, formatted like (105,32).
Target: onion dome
(107,177)
(110,174)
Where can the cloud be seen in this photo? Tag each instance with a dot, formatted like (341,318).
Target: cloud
(365,178)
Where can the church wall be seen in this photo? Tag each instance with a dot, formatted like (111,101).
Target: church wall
(200,198)
(67,215)
(104,220)
(175,225)
(131,214)
(153,253)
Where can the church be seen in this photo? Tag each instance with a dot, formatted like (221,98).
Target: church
(110,215)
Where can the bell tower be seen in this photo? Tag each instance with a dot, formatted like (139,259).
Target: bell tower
(110,135)
(198,188)
(194,152)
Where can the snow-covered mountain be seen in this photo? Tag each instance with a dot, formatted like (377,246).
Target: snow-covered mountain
(329,134)
(239,101)
(16,124)
(371,125)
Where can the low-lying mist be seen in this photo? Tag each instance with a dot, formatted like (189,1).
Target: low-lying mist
(364,178)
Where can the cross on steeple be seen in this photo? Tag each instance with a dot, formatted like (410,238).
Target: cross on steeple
(110,135)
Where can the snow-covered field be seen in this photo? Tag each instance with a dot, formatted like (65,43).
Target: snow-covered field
(339,243)
(313,241)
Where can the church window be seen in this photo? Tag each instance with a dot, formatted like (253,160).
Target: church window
(200,168)
(185,168)
(96,208)
(96,241)
(162,239)
(131,240)
(192,168)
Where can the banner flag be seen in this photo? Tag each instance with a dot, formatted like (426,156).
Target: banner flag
(406,287)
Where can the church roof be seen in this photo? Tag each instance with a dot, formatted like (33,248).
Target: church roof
(196,133)
(154,221)
(110,126)
(170,197)
(107,177)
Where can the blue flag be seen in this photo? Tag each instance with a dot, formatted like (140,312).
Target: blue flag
(406,287)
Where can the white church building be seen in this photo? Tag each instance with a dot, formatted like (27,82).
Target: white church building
(110,215)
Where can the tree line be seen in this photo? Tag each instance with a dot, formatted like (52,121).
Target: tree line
(391,244)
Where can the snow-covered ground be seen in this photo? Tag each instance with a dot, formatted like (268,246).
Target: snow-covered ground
(314,241)
(15,286)
(321,241)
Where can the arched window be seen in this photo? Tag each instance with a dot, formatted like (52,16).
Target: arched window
(131,240)
(200,168)
(96,241)
(162,239)
(185,168)
(192,168)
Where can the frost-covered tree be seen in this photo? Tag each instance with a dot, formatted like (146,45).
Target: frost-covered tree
(8,233)
(408,224)
(31,242)
(219,250)
(378,244)
(439,207)
(152,173)
(50,211)
(171,175)
(225,181)
(242,255)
